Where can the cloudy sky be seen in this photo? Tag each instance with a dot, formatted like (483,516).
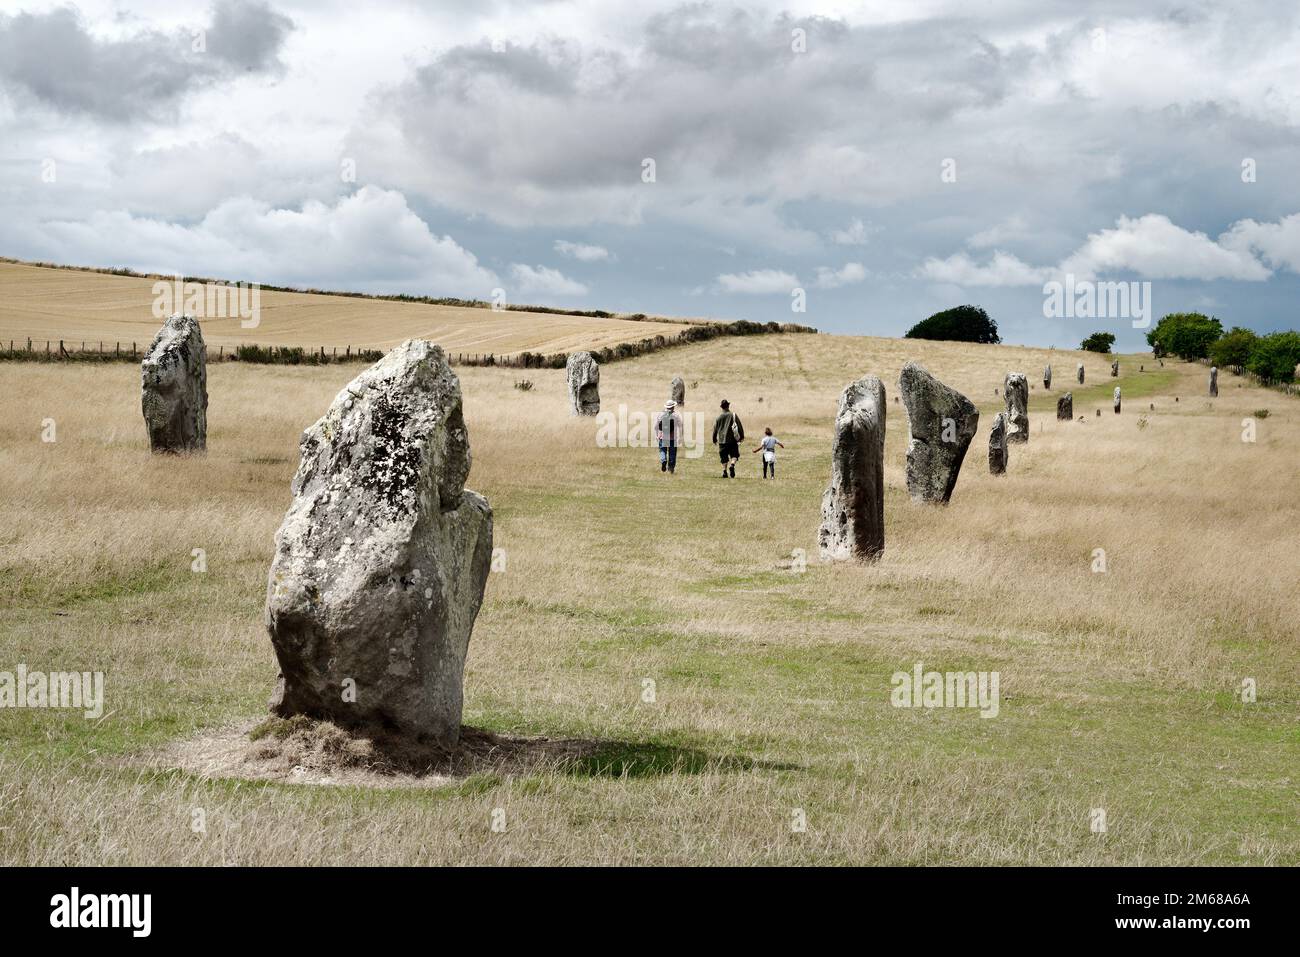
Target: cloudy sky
(890,159)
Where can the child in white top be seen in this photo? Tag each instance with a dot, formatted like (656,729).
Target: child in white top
(768,448)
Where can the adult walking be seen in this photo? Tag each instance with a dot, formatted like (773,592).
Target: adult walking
(668,431)
(728,433)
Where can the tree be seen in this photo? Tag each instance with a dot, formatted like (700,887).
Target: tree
(1275,356)
(1098,342)
(959,324)
(1234,349)
(1187,335)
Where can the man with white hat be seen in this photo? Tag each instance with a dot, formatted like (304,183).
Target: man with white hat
(668,430)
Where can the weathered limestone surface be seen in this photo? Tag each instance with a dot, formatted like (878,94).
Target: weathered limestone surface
(1079,373)
(1016,395)
(174,388)
(1065,407)
(942,423)
(1114,369)
(583,374)
(1117,403)
(677,392)
(382,557)
(853,507)
(1214,380)
(998,445)
(1047,377)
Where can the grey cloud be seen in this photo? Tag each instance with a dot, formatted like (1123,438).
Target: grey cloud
(53,59)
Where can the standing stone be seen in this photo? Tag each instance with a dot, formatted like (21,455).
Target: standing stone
(1214,380)
(584,383)
(174,388)
(942,422)
(998,445)
(677,392)
(1079,373)
(1114,369)
(1016,388)
(853,507)
(1117,400)
(1065,407)
(1047,376)
(382,557)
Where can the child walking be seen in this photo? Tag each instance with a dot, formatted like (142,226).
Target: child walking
(768,447)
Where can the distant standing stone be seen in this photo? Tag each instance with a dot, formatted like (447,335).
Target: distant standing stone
(1214,380)
(1079,373)
(677,391)
(998,445)
(942,423)
(174,388)
(382,557)
(1016,388)
(853,507)
(1065,407)
(1114,369)
(1117,400)
(1047,376)
(583,374)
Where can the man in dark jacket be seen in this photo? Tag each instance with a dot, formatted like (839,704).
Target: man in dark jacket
(728,433)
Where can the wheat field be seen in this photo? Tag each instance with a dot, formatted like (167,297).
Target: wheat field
(78,306)
(771,685)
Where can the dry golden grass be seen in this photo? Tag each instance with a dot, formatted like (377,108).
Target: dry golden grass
(771,687)
(76,306)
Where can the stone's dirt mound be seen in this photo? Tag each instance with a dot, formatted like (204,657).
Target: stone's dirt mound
(301,750)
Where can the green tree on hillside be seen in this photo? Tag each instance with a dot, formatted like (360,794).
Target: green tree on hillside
(1098,342)
(1187,335)
(1234,349)
(959,324)
(1275,356)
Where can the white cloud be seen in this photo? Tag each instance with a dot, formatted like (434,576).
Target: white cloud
(1150,246)
(582,252)
(542,280)
(1009,230)
(850,273)
(856,234)
(1003,269)
(1155,248)
(757,282)
(368,242)
(1278,243)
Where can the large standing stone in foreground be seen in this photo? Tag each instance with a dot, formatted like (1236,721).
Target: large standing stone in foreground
(1214,380)
(1079,373)
(382,557)
(998,445)
(1117,403)
(677,391)
(1065,407)
(853,507)
(942,422)
(1016,395)
(174,388)
(1047,377)
(583,374)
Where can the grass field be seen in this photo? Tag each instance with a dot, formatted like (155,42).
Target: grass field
(78,306)
(771,687)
